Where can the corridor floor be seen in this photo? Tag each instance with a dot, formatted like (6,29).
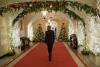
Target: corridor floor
(37,56)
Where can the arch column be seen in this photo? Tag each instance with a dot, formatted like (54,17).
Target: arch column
(4,35)
(5,32)
(23,30)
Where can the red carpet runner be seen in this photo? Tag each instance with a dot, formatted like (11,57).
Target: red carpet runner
(38,57)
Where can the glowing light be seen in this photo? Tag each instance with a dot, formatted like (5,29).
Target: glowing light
(44,13)
(30,31)
(49,21)
(80,33)
(71,28)
(53,24)
(15,36)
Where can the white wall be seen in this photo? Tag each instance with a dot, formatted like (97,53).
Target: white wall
(94,37)
(5,35)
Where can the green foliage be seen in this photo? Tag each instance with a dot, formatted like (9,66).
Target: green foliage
(63,35)
(4,10)
(85,51)
(49,6)
(38,35)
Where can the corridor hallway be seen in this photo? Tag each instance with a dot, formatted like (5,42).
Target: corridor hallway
(37,56)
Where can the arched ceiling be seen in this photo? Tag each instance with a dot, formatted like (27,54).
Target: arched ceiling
(57,17)
(6,2)
(35,17)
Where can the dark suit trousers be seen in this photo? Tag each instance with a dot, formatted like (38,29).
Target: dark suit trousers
(50,46)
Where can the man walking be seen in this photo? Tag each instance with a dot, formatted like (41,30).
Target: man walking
(49,39)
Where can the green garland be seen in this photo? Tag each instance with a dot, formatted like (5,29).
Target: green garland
(49,6)
(63,35)
(4,10)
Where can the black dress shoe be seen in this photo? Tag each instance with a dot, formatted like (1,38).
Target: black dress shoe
(49,58)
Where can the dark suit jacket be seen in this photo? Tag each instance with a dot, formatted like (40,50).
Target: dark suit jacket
(49,36)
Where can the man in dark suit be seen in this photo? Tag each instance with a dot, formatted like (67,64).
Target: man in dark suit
(49,39)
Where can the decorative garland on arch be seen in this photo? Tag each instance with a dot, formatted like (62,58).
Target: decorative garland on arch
(49,6)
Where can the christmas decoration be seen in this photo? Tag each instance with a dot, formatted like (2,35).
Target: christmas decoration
(4,10)
(63,34)
(62,6)
(85,51)
(39,35)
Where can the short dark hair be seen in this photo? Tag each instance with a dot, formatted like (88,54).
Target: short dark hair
(48,27)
